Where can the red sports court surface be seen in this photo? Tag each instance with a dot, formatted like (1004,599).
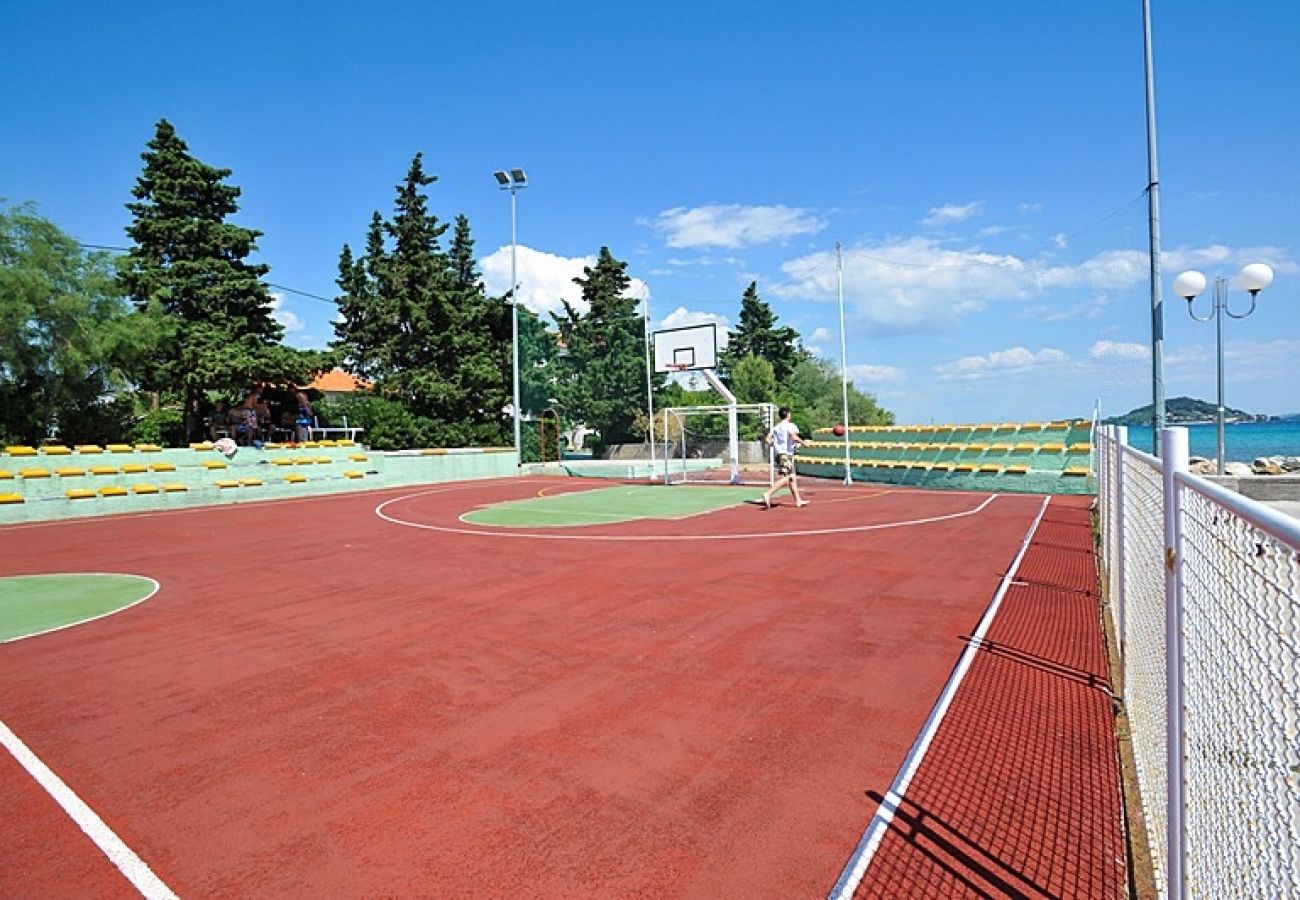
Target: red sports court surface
(323,700)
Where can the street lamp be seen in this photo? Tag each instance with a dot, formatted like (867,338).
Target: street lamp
(1252,279)
(513,181)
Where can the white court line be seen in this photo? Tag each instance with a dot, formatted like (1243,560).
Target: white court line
(105,615)
(133,867)
(847,529)
(875,833)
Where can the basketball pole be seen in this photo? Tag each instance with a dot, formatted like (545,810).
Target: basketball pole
(844,371)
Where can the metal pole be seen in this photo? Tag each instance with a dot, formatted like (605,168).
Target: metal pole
(1220,303)
(1119,434)
(844,372)
(1173,454)
(1153,219)
(649,387)
(514,321)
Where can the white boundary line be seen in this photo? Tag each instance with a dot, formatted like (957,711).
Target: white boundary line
(380,512)
(123,857)
(852,875)
(104,615)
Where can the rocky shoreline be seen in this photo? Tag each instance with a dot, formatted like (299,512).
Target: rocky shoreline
(1262,465)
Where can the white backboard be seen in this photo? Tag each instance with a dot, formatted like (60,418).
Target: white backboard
(692,347)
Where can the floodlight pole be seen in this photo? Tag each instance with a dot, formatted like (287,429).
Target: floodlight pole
(514,181)
(649,385)
(1153,223)
(844,371)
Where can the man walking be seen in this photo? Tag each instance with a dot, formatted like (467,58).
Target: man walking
(784,439)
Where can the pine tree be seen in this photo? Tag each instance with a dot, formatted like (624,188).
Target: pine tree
(416,320)
(188,270)
(757,334)
(602,376)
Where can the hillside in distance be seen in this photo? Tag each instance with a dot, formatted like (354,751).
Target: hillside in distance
(1183,411)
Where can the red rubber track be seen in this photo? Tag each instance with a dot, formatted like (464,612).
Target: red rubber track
(1019,795)
(321,702)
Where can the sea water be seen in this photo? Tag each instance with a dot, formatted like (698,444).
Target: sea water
(1242,441)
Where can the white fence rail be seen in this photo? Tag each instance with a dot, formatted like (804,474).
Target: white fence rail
(1204,589)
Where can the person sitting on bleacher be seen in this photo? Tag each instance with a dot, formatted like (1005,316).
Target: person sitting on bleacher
(219,421)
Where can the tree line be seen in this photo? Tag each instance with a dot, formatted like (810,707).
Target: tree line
(139,347)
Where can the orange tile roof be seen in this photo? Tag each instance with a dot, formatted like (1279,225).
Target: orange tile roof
(338,381)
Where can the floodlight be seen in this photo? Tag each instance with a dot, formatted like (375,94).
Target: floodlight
(518,177)
(502,178)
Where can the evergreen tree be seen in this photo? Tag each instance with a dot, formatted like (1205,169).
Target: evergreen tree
(602,376)
(188,271)
(416,320)
(757,334)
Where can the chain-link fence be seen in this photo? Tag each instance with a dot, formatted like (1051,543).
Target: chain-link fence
(1204,587)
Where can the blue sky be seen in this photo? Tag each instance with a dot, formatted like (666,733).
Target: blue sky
(982,165)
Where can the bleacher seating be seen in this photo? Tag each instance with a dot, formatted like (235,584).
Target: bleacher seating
(1028,457)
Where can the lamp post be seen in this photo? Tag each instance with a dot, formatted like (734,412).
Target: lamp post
(1252,279)
(513,181)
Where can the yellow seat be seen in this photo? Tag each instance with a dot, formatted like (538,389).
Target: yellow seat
(1000,448)
(104,470)
(5,475)
(89,448)
(120,448)
(79,493)
(990,467)
(56,450)
(976,448)
(965,467)
(327,442)
(69,472)
(35,472)
(1083,447)
(347,443)
(1051,448)
(295,478)
(1017,470)
(145,488)
(1057,426)
(163,467)
(323,460)
(201,445)
(211,464)
(148,448)
(20,451)
(112,490)
(945,466)
(134,468)
(1076,471)
(352,473)
(173,487)
(227,483)
(1026,447)
(282,461)
(251,482)
(12,498)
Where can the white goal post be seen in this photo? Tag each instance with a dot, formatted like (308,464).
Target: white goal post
(718,444)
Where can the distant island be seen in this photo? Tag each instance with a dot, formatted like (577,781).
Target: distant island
(1186,411)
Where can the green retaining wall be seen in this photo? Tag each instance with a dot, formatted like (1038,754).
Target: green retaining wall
(321,470)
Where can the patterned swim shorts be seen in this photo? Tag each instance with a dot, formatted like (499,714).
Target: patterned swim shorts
(784,464)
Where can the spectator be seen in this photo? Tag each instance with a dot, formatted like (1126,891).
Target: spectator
(306,418)
(219,422)
(263,410)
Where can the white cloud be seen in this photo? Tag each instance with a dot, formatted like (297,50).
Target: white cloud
(869,374)
(733,225)
(951,212)
(820,335)
(999,363)
(1105,351)
(1027,209)
(290,321)
(681,317)
(1217,258)
(545,279)
(918,283)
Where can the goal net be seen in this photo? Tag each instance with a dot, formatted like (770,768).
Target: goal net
(701,445)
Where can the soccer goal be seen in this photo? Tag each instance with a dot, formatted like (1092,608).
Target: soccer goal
(700,445)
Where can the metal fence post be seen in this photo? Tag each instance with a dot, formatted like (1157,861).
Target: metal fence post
(1173,455)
